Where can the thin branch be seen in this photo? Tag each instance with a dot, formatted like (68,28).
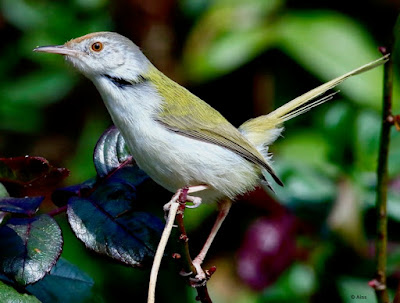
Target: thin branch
(186,260)
(161,248)
(178,202)
(382,181)
(397,295)
(57,211)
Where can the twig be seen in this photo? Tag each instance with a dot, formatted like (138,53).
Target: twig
(382,181)
(161,248)
(177,201)
(186,260)
(57,211)
(397,295)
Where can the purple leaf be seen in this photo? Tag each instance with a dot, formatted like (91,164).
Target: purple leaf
(268,248)
(26,205)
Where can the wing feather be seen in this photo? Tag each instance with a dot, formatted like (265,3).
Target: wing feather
(187,115)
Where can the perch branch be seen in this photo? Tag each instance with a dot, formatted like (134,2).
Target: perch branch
(178,202)
(186,260)
(382,181)
(174,204)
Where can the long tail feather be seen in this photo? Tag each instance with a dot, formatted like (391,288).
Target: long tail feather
(265,129)
(305,107)
(299,101)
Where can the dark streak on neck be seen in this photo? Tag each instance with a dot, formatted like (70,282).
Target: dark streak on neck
(122,83)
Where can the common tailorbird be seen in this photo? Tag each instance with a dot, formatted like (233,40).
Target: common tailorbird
(174,136)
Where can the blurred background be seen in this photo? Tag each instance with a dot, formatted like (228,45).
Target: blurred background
(311,242)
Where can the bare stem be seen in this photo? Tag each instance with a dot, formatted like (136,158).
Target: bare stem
(160,250)
(186,260)
(176,208)
(57,211)
(382,181)
(397,295)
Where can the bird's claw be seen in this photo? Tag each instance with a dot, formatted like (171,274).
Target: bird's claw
(195,200)
(184,273)
(181,196)
(202,276)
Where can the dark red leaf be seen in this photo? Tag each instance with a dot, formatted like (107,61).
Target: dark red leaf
(268,248)
(29,176)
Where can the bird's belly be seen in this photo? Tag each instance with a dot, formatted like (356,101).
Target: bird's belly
(175,161)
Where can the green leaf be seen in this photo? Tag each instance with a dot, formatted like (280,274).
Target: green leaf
(3,191)
(367,140)
(394,154)
(393,205)
(393,198)
(110,152)
(306,146)
(355,290)
(36,87)
(10,295)
(337,125)
(229,34)
(307,185)
(329,44)
(308,191)
(295,285)
(22,14)
(20,117)
(366,144)
(29,248)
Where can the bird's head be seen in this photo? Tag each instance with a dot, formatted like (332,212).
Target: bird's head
(102,53)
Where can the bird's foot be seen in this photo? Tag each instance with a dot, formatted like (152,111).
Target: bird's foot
(199,280)
(195,200)
(174,199)
(182,196)
(202,276)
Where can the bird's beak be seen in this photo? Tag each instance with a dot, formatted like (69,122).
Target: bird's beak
(58,49)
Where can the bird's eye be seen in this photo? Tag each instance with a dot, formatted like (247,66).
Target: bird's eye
(97,46)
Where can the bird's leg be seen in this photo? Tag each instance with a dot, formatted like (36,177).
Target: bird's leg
(181,196)
(224,208)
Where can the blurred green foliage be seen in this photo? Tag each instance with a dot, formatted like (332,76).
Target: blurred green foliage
(232,53)
(30,82)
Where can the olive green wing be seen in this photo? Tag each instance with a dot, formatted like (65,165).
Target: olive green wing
(186,114)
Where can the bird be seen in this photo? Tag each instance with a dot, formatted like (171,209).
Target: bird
(179,140)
